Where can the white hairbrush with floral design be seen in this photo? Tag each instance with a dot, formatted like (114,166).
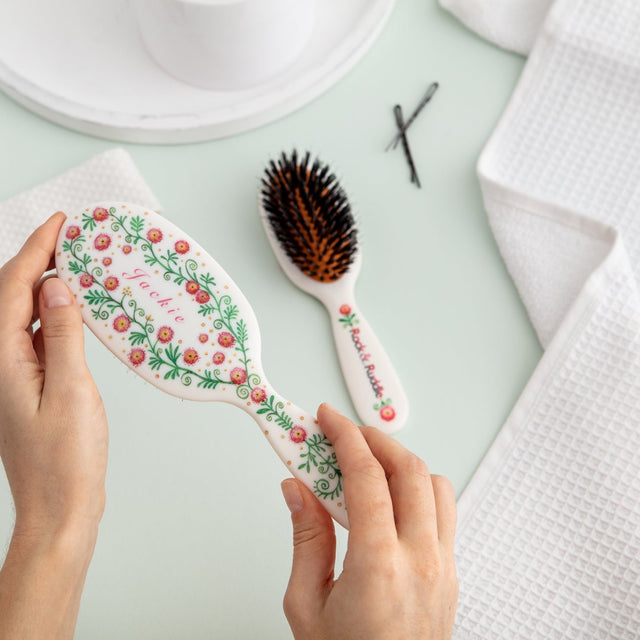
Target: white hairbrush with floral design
(167,310)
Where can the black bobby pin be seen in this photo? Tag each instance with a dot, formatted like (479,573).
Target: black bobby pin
(397,111)
(433,87)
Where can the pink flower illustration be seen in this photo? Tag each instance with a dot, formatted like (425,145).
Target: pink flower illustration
(191,356)
(182,246)
(225,339)
(203,337)
(107,261)
(86,280)
(218,357)
(387,413)
(298,434)
(345,309)
(126,249)
(100,214)
(102,242)
(202,297)
(121,323)
(73,232)
(258,395)
(111,283)
(165,334)
(137,356)
(192,287)
(154,235)
(238,375)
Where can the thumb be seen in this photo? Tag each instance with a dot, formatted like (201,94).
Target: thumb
(314,549)
(62,335)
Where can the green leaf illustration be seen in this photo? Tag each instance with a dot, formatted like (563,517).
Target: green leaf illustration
(208,381)
(137,337)
(94,297)
(137,224)
(241,332)
(172,374)
(207,309)
(88,222)
(231,312)
(207,280)
(171,258)
(150,259)
(173,353)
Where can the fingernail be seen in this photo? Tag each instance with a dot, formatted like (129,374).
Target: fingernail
(54,215)
(292,496)
(55,293)
(329,407)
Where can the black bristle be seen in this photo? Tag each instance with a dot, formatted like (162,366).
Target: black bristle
(310,216)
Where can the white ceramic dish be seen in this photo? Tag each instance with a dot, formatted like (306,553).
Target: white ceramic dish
(83,65)
(221,44)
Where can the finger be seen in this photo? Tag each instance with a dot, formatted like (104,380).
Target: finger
(314,550)
(19,276)
(35,316)
(62,336)
(36,355)
(38,347)
(445,499)
(409,480)
(366,491)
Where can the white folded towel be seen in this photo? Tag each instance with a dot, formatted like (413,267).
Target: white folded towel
(112,175)
(512,24)
(549,536)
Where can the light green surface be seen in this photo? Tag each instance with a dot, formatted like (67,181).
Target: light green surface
(195,541)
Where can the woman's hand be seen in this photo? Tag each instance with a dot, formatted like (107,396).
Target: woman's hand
(398,580)
(53,444)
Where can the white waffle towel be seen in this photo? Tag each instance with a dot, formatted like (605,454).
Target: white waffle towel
(549,537)
(511,24)
(112,175)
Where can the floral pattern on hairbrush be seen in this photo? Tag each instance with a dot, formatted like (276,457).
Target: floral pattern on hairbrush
(156,347)
(349,320)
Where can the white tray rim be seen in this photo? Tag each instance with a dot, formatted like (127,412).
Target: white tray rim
(274,100)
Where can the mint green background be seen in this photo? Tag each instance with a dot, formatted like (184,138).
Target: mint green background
(195,542)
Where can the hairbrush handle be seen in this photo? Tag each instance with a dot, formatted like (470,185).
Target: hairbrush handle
(299,442)
(374,385)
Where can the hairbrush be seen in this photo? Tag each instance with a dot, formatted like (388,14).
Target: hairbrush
(166,308)
(313,234)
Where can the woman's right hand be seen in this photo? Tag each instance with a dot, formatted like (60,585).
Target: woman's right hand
(398,580)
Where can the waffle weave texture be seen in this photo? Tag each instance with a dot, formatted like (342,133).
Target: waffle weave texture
(549,537)
(111,175)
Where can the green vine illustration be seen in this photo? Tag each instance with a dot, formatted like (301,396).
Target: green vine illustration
(153,344)
(316,456)
(106,305)
(218,306)
(274,412)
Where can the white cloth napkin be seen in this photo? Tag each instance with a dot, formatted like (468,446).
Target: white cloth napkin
(112,175)
(549,537)
(511,24)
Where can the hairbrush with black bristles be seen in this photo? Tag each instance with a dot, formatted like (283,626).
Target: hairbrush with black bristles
(312,231)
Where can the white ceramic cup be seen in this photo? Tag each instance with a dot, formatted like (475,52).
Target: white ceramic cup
(225,44)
